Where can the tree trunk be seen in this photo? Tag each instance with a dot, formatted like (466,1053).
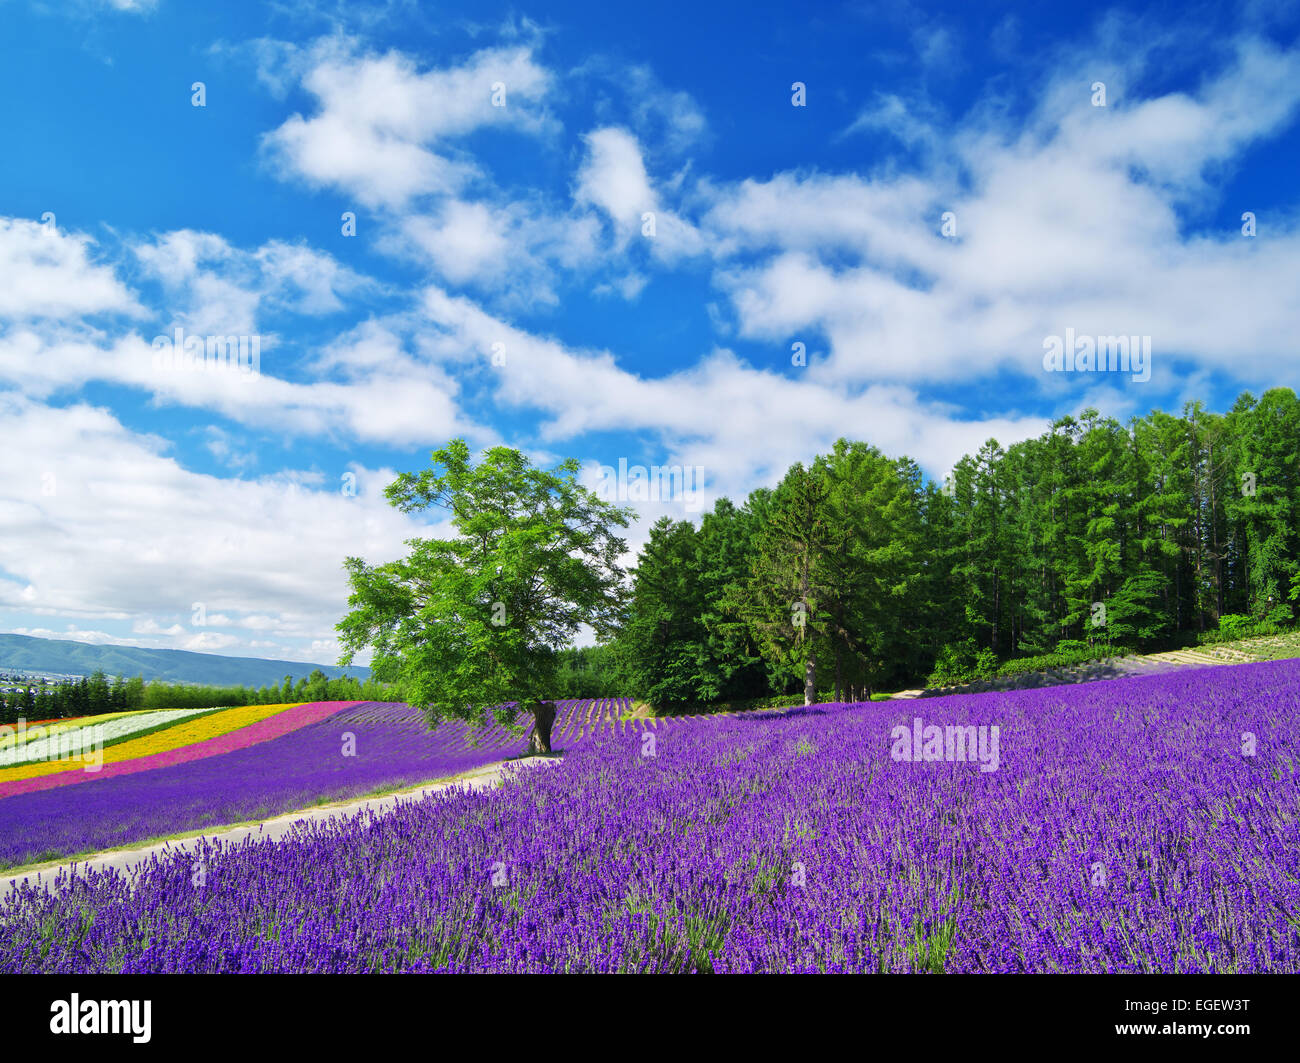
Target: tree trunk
(810,681)
(543,721)
(997,603)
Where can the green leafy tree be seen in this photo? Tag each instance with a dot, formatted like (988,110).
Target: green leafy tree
(590,672)
(470,625)
(316,687)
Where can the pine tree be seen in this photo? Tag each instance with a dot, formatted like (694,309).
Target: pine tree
(785,598)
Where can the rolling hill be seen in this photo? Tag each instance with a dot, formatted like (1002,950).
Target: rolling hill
(31,654)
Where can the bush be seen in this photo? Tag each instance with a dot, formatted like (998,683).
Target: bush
(962,662)
(1070,646)
(1235,625)
(1075,653)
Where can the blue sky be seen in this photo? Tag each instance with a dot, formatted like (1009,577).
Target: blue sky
(212,510)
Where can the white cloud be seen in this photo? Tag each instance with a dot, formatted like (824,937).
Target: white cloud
(1077,219)
(770,420)
(214,288)
(613,179)
(98,521)
(514,252)
(45,272)
(382,128)
(465,241)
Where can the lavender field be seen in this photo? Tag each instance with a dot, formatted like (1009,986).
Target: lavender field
(1148,824)
(391,747)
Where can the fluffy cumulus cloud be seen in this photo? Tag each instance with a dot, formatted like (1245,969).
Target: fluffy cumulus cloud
(51,274)
(385,131)
(101,523)
(614,180)
(771,420)
(1076,218)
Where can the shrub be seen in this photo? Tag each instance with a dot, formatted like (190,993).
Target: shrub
(1235,625)
(1074,654)
(962,662)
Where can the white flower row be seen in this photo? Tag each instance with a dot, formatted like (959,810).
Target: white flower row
(30,732)
(91,734)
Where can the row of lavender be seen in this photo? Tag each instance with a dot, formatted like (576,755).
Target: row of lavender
(355,751)
(1147,824)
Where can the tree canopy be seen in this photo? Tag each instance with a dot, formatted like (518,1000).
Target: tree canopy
(470,623)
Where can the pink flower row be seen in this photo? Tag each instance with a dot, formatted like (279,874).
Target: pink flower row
(281,723)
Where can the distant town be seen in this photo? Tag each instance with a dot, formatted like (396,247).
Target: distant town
(13,678)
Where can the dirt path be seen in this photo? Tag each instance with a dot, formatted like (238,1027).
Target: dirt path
(128,860)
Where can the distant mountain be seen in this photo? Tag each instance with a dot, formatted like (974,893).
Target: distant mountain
(28,654)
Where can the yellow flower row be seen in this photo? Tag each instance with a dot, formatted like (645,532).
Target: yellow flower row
(184,733)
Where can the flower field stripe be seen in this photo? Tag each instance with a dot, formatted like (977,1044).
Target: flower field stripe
(576,724)
(492,736)
(284,720)
(566,723)
(157,733)
(35,729)
(18,761)
(585,718)
(137,735)
(563,725)
(572,727)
